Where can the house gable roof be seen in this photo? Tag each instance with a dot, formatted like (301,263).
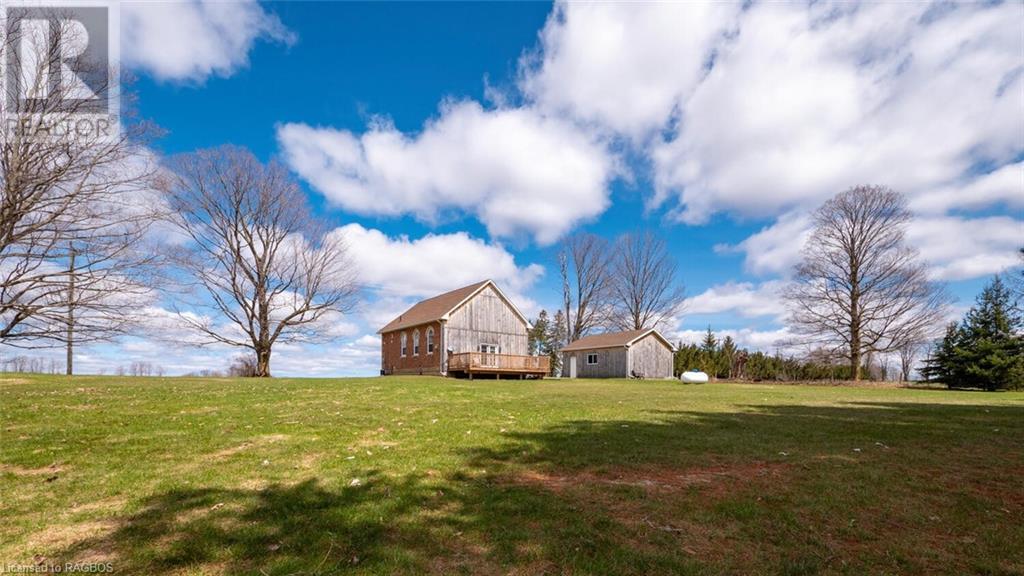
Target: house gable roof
(613,340)
(441,306)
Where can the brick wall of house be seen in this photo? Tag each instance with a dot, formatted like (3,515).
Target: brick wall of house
(392,361)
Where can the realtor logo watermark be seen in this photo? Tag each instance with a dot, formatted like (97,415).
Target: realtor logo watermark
(57,70)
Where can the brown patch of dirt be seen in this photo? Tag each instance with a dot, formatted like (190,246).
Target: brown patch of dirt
(465,558)
(258,441)
(308,460)
(64,536)
(113,504)
(22,471)
(717,480)
(671,487)
(253,484)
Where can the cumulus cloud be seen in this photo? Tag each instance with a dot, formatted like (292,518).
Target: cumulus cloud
(775,249)
(954,247)
(774,107)
(1002,186)
(744,299)
(516,170)
(399,270)
(190,40)
(624,65)
(959,248)
(780,340)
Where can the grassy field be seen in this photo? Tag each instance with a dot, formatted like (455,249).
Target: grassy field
(414,475)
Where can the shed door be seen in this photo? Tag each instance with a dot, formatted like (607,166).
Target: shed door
(572,366)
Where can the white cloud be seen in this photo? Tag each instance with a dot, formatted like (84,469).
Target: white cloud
(777,106)
(741,298)
(624,65)
(516,170)
(1002,186)
(959,248)
(400,270)
(775,249)
(781,340)
(954,247)
(809,101)
(190,40)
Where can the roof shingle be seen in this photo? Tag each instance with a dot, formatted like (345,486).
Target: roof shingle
(432,309)
(610,340)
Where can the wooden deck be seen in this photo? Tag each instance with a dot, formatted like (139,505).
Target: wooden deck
(468,364)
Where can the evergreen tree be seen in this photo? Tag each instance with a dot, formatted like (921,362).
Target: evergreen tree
(709,354)
(986,350)
(728,357)
(557,334)
(940,364)
(991,350)
(538,335)
(687,357)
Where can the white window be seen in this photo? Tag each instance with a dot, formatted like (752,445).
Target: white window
(405,345)
(430,340)
(591,358)
(416,343)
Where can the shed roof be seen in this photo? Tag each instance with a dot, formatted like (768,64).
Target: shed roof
(613,340)
(440,306)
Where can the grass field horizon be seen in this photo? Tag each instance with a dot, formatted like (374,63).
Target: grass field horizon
(414,475)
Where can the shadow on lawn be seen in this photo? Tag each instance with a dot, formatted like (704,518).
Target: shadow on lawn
(575,498)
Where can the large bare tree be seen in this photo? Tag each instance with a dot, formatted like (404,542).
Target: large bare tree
(270,271)
(75,212)
(584,264)
(860,289)
(645,288)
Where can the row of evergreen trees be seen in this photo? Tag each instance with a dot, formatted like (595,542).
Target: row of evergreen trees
(724,360)
(986,349)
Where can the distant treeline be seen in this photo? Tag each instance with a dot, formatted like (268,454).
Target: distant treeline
(722,359)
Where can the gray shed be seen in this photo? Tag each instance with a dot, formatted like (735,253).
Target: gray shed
(635,353)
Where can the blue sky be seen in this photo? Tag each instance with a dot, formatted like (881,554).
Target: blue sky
(720,126)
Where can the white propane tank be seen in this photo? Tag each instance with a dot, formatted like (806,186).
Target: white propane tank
(694,377)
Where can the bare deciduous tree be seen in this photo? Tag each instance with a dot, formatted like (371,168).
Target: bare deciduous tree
(584,262)
(645,289)
(859,288)
(72,222)
(908,353)
(268,268)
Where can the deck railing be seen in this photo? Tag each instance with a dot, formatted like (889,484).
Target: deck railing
(485,361)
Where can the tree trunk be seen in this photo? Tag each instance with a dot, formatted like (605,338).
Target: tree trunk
(70,339)
(263,363)
(855,357)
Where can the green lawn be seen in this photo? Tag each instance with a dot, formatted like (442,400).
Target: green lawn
(412,475)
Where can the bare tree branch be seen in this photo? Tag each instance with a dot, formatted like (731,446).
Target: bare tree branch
(860,289)
(584,263)
(644,285)
(73,216)
(270,271)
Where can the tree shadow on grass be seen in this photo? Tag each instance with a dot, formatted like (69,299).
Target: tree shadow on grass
(776,489)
